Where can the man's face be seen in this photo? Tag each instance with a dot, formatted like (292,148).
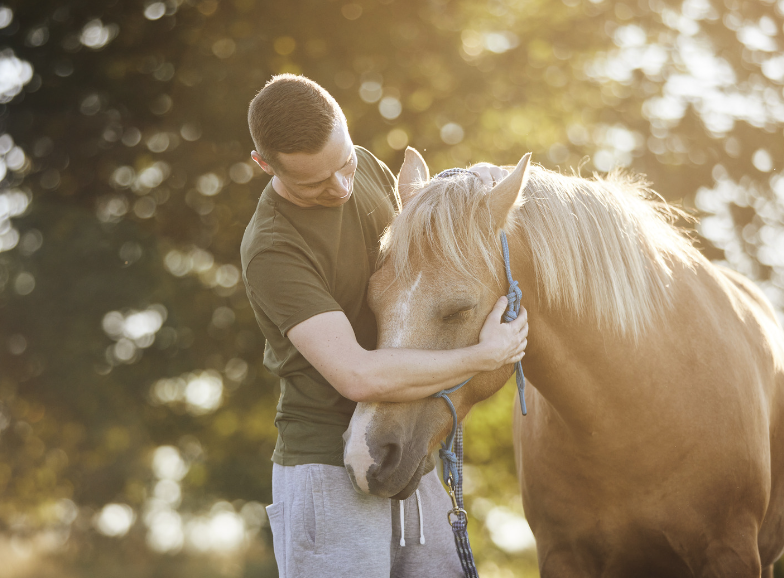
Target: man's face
(324,179)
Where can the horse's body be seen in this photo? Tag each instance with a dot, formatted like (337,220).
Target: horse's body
(665,459)
(652,445)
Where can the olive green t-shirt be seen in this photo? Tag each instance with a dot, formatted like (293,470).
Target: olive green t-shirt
(296,263)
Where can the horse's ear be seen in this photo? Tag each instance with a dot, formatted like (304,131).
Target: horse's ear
(505,194)
(413,172)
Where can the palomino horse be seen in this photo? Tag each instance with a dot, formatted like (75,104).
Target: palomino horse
(653,444)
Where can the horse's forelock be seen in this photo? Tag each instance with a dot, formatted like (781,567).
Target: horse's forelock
(449,220)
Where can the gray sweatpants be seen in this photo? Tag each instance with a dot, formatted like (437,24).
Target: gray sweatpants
(321,526)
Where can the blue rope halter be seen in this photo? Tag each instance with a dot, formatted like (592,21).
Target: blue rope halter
(451,452)
(513,297)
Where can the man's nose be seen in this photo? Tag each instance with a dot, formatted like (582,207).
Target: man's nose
(340,187)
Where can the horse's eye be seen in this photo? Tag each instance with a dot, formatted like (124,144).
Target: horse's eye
(460,315)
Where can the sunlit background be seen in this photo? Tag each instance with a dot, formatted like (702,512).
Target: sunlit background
(136,418)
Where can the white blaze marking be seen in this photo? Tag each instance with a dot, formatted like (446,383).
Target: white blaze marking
(400,316)
(357,450)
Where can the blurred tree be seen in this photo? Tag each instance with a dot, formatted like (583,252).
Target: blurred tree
(133,401)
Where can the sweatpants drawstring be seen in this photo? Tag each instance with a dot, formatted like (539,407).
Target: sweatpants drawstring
(402,524)
(421,519)
(403,520)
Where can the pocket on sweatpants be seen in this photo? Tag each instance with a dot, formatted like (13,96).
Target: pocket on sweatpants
(278,527)
(308,511)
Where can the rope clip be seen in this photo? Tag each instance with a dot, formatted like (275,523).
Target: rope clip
(456,510)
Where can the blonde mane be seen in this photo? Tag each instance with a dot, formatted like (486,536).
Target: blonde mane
(603,245)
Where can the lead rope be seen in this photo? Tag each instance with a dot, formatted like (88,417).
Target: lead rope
(453,459)
(513,297)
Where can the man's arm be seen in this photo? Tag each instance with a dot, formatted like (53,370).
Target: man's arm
(328,342)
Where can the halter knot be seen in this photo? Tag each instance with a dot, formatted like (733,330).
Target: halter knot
(449,459)
(513,306)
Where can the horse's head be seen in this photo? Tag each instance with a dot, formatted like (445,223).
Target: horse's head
(441,275)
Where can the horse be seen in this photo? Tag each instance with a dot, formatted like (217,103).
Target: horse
(653,442)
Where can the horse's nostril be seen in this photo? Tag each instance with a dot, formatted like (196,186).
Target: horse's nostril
(389,458)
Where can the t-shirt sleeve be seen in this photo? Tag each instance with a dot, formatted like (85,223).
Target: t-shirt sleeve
(286,286)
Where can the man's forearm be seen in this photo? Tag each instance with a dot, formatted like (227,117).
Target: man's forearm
(410,374)
(328,342)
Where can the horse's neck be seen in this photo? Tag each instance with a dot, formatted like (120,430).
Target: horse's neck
(560,361)
(575,364)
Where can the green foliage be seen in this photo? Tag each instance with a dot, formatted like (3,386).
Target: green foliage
(137,184)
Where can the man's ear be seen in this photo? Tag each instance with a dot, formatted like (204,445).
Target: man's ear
(265,166)
(413,174)
(505,194)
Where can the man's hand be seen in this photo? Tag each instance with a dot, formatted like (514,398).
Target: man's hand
(489,174)
(505,342)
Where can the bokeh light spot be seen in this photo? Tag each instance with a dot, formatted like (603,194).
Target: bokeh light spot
(17,344)
(227,275)
(131,137)
(144,208)
(762,161)
(452,133)
(168,491)
(223,317)
(208,7)
(14,74)
(158,142)
(167,463)
(351,11)
(155,11)
(500,42)
(473,44)
(37,36)
(123,177)
(224,48)
(50,179)
(31,241)
(390,107)
(204,392)
(397,139)
(370,91)
(509,531)
(241,173)
(96,35)
(90,105)
(130,252)
(6,16)
(115,520)
(284,45)
(165,534)
(236,369)
(161,105)
(209,184)
(24,283)
(16,160)
(190,131)
(344,79)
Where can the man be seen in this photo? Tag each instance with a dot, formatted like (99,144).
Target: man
(307,255)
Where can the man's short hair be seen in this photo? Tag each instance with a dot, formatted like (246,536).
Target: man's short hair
(292,114)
